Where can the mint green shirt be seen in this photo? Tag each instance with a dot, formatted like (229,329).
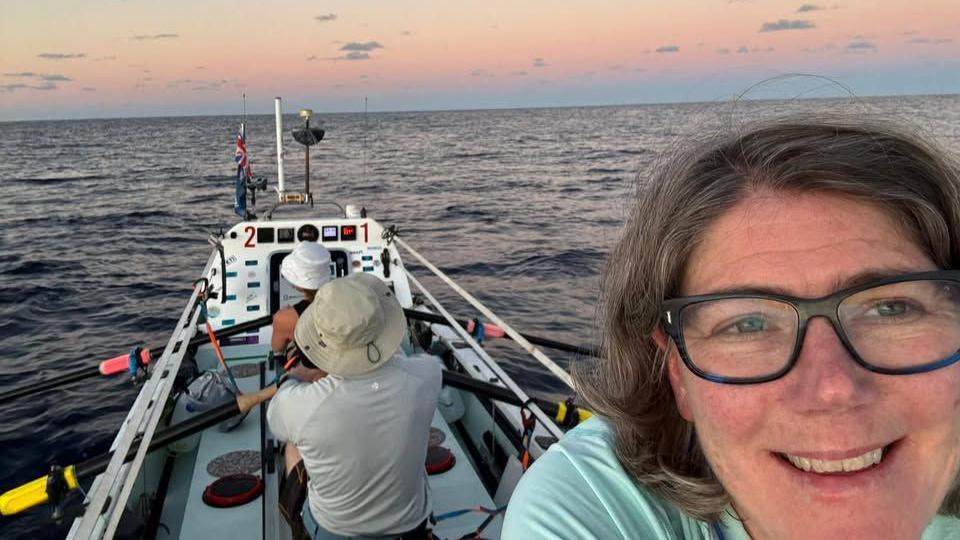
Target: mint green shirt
(577,490)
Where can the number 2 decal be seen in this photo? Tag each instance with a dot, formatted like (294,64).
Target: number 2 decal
(251,231)
(366,233)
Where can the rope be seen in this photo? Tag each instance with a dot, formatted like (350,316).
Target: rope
(491,513)
(529,422)
(216,347)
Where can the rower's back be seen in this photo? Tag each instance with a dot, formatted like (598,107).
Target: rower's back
(364,441)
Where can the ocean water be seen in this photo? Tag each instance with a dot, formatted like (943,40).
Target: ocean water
(103,228)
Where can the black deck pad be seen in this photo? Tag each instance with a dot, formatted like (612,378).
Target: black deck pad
(237,462)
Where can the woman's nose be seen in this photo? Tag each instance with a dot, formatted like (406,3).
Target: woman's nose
(826,376)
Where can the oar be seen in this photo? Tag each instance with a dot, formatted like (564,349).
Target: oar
(558,410)
(110,367)
(35,492)
(493,331)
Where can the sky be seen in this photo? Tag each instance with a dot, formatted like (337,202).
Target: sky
(123,58)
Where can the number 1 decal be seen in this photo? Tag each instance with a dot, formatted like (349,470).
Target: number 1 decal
(251,231)
(366,233)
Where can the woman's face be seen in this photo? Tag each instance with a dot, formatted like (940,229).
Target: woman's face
(828,407)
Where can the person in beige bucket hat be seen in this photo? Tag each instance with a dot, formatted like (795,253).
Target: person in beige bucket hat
(354,326)
(357,417)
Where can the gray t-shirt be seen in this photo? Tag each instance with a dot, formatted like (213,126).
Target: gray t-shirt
(364,442)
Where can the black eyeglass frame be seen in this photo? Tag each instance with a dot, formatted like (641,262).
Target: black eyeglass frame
(806,309)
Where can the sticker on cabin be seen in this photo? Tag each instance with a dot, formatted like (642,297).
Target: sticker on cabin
(231,259)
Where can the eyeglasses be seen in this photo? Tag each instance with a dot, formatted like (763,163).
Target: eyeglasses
(896,326)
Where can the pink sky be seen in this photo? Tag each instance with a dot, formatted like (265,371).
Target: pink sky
(134,58)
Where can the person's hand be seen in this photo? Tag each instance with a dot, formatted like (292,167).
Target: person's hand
(305,374)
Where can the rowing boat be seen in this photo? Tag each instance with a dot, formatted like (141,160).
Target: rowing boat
(156,481)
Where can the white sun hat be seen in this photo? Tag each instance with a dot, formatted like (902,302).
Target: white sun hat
(352,327)
(307,266)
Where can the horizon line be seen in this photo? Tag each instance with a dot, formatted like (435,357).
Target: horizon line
(734,99)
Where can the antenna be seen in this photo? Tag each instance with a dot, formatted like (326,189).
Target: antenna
(279,121)
(364,139)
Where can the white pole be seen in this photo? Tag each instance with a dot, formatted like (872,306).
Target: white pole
(545,420)
(276,103)
(527,346)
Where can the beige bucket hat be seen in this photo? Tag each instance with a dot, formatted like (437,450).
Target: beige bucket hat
(352,327)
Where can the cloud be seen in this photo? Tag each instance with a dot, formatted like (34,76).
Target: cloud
(89,89)
(406,33)
(518,73)
(723,50)
(809,7)
(326,18)
(151,37)
(742,50)
(60,56)
(104,58)
(615,67)
(41,81)
(784,24)
(482,73)
(929,41)
(355,55)
(311,58)
(366,46)
(668,49)
(539,62)
(861,46)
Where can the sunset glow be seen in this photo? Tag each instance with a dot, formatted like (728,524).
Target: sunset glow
(99,58)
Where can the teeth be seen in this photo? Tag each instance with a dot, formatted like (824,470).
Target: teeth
(823,466)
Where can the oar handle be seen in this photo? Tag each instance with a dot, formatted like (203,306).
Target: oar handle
(121,363)
(33,493)
(79,374)
(493,331)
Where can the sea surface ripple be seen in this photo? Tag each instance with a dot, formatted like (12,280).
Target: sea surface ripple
(103,227)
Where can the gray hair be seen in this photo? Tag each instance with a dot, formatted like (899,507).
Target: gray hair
(912,179)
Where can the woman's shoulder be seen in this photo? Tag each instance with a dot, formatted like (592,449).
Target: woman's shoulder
(578,490)
(942,528)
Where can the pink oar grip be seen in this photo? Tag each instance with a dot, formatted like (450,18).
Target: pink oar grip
(120,364)
(490,330)
(493,331)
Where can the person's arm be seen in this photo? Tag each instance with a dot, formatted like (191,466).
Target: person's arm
(249,401)
(284,321)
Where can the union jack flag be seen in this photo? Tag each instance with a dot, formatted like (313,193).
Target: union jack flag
(243,174)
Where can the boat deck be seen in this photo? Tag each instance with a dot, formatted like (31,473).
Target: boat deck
(186,516)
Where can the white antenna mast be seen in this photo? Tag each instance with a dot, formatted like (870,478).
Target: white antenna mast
(279,116)
(364,139)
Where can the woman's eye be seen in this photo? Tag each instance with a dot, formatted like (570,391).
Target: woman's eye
(890,308)
(753,324)
(747,325)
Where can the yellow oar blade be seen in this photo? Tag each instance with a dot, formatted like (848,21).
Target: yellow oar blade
(32,493)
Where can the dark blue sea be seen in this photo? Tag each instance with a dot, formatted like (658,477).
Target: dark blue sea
(103,227)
